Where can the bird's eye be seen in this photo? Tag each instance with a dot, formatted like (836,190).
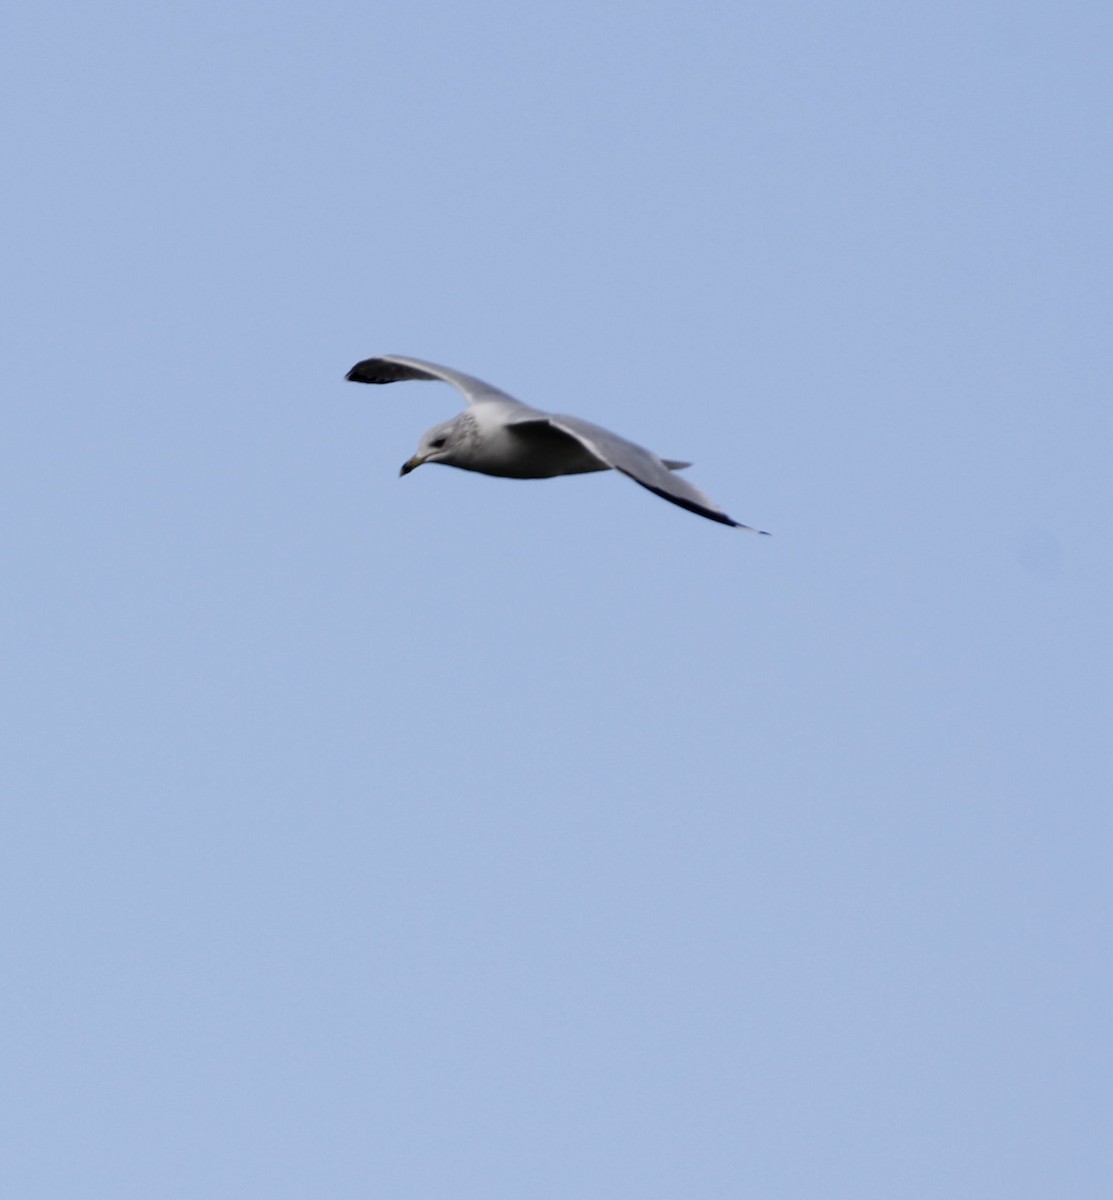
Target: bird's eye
(436,443)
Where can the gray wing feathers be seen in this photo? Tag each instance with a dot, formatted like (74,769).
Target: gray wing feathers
(393,368)
(642,466)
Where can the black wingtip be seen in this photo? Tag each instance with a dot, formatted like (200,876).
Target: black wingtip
(384,370)
(367,371)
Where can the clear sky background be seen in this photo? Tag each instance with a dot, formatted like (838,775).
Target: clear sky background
(453,836)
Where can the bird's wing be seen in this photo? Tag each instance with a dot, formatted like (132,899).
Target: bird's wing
(391,368)
(642,466)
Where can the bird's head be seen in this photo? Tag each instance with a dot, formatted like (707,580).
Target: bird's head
(437,445)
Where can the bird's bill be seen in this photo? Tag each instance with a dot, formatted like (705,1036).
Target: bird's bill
(412,464)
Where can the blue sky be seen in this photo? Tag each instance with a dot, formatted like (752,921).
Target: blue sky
(464,836)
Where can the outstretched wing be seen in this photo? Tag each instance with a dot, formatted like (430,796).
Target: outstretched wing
(644,467)
(392,368)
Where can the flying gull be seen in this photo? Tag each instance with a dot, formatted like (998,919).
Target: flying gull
(498,435)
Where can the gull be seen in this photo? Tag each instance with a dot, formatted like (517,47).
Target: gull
(498,435)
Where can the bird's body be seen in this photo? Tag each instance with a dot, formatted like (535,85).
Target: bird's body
(495,438)
(499,435)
